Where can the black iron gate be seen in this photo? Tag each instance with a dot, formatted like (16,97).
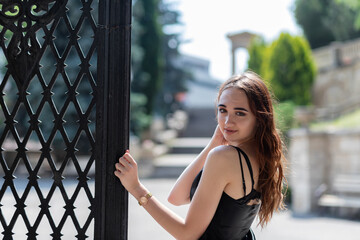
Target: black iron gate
(65,70)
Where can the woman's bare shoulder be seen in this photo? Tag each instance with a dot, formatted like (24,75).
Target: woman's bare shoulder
(224,154)
(221,159)
(223,149)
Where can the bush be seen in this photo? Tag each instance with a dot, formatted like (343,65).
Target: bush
(256,55)
(287,65)
(284,116)
(291,69)
(139,120)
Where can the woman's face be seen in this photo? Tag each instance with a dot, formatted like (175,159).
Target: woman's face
(235,119)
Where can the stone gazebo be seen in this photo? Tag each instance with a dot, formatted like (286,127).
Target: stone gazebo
(239,40)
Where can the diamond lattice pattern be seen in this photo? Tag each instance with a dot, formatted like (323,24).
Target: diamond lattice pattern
(47,121)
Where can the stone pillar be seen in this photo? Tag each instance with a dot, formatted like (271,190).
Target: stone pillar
(299,172)
(233,61)
(309,169)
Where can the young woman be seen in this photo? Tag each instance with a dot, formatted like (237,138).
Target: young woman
(237,176)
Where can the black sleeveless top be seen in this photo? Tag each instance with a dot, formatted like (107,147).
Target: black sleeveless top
(233,217)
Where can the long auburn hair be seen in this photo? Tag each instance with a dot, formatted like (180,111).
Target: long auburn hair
(267,139)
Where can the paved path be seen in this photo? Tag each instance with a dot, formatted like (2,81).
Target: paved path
(282,227)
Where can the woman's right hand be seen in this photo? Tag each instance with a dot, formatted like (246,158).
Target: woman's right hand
(217,138)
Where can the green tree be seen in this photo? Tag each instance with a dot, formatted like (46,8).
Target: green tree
(305,71)
(290,69)
(139,120)
(341,20)
(354,5)
(325,21)
(284,117)
(147,77)
(157,75)
(308,15)
(257,54)
(175,76)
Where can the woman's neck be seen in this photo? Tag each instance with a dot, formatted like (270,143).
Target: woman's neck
(247,146)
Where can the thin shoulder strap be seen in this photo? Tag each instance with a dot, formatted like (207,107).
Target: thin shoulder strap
(242,169)
(249,166)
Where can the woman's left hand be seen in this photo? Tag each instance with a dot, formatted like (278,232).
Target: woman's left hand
(127,172)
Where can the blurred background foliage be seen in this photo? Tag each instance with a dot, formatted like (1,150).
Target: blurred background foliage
(156,76)
(325,21)
(287,65)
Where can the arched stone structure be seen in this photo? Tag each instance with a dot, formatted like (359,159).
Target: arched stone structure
(239,40)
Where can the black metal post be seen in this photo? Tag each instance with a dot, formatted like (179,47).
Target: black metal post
(113,106)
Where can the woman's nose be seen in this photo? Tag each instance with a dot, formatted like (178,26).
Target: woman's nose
(228,119)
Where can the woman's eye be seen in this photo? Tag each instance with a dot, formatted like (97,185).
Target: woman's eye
(240,114)
(222,110)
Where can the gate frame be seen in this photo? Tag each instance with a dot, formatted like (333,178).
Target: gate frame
(112,120)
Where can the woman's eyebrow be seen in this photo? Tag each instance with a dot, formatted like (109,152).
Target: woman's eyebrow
(238,108)
(241,109)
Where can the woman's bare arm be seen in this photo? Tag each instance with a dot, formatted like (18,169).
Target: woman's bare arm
(203,205)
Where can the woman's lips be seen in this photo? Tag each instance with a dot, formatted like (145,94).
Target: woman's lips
(229,131)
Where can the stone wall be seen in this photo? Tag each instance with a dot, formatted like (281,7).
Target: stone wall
(315,158)
(337,85)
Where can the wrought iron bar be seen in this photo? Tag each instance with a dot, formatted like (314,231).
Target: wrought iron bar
(113,105)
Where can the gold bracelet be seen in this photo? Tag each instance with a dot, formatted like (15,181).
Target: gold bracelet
(143,200)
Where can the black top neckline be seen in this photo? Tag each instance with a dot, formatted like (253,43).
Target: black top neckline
(253,194)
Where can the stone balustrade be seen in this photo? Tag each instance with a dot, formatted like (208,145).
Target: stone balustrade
(337,54)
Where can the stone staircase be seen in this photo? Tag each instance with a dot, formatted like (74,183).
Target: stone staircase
(187,146)
(183,151)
